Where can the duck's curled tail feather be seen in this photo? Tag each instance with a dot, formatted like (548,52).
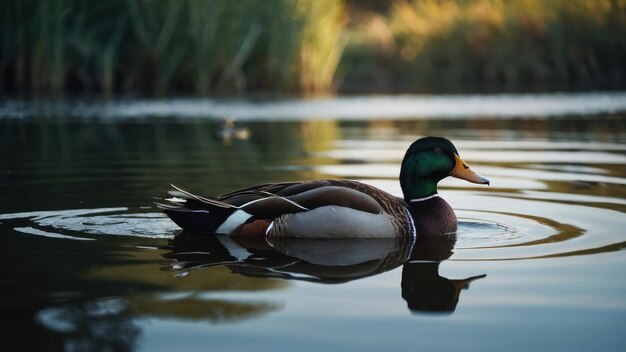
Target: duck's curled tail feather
(195,213)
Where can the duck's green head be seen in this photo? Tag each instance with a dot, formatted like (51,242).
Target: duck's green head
(429,160)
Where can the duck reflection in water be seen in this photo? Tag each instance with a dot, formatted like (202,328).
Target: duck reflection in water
(331,261)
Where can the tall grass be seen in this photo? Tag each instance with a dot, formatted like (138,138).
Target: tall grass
(215,46)
(511,43)
(169,45)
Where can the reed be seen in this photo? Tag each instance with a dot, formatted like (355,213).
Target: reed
(224,46)
(510,43)
(169,45)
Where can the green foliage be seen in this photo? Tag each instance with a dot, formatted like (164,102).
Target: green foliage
(169,45)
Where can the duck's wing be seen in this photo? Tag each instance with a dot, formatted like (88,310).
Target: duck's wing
(211,214)
(283,189)
(225,213)
(344,209)
(272,200)
(266,187)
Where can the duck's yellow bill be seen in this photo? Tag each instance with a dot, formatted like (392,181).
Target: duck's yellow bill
(462,171)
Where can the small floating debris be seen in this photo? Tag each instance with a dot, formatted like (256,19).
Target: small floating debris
(229,131)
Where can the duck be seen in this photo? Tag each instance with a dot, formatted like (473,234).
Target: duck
(333,208)
(229,131)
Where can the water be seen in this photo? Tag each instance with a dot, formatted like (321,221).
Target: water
(88,263)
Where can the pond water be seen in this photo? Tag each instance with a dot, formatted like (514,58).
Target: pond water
(88,263)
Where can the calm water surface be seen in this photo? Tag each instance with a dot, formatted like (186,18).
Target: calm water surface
(87,263)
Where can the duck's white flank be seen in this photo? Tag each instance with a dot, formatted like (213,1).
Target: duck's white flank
(337,222)
(240,216)
(235,219)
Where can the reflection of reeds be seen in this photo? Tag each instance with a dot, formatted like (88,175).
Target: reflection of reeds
(169,45)
(516,42)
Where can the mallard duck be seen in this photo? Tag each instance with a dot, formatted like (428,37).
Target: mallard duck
(334,208)
(229,130)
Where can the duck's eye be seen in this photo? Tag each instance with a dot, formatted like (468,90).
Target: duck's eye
(437,150)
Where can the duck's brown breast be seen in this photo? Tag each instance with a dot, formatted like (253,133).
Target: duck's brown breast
(433,217)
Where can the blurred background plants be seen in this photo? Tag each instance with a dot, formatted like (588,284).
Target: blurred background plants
(310,46)
(511,43)
(159,46)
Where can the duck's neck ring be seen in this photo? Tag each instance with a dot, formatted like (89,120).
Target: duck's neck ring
(416,200)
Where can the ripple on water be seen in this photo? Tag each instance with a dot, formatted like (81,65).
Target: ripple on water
(102,221)
(474,233)
(506,227)
(492,226)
